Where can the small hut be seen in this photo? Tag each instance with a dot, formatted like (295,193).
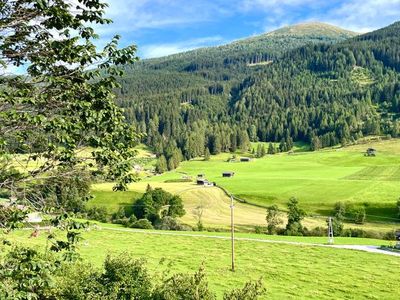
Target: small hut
(370,152)
(228,174)
(245,159)
(201,181)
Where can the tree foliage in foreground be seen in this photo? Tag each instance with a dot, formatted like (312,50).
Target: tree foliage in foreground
(28,274)
(65,102)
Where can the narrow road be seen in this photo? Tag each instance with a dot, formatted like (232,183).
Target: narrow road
(365,248)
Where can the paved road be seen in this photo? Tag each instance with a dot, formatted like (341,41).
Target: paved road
(366,248)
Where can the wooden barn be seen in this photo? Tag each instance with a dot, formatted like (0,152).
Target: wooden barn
(228,174)
(205,182)
(201,181)
(370,152)
(245,159)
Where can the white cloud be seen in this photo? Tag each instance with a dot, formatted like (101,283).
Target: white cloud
(356,15)
(132,15)
(365,15)
(158,50)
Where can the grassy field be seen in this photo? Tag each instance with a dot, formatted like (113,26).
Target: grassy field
(317,179)
(288,271)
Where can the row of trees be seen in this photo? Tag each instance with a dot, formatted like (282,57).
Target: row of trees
(294,217)
(342,212)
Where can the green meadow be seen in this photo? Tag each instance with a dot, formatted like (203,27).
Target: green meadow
(288,271)
(318,179)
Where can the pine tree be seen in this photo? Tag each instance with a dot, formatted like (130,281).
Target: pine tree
(161,166)
(258,153)
(315,143)
(263,150)
(271,149)
(206,154)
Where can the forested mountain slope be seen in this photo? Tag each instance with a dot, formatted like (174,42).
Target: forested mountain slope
(310,82)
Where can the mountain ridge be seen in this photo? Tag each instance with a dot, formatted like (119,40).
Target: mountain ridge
(223,98)
(304,29)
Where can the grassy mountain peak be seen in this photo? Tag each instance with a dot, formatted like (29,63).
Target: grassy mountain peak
(312,28)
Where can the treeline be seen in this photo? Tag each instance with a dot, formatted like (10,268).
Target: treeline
(208,100)
(342,213)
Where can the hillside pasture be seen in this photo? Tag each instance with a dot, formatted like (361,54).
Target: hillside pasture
(317,179)
(288,271)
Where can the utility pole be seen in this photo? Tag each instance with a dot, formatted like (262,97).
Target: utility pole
(232,236)
(330,231)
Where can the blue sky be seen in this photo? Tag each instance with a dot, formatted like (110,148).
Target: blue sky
(162,27)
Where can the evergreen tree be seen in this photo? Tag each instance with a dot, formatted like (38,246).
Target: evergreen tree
(161,165)
(315,143)
(263,152)
(206,154)
(259,151)
(271,149)
(283,146)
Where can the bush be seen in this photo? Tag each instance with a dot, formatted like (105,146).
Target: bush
(98,214)
(169,223)
(185,287)
(28,274)
(359,215)
(120,217)
(317,231)
(126,278)
(250,291)
(259,229)
(141,224)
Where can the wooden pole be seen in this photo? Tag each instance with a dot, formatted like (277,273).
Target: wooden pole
(232,236)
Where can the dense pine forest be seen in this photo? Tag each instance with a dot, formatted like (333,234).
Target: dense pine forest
(311,82)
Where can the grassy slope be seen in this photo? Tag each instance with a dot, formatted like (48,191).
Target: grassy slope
(317,179)
(288,271)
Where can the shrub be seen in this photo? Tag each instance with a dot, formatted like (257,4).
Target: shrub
(259,229)
(120,217)
(317,231)
(185,287)
(141,224)
(26,274)
(126,278)
(250,291)
(359,215)
(98,214)
(169,223)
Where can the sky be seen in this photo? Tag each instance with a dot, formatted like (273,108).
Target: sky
(163,27)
